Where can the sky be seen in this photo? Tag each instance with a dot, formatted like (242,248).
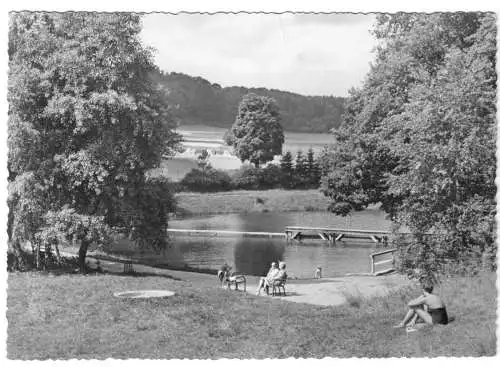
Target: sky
(310,54)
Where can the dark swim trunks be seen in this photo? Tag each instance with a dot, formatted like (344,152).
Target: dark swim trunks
(439,315)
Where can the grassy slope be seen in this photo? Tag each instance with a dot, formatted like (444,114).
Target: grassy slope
(74,316)
(251,201)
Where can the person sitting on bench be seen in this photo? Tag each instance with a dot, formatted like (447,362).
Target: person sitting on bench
(265,281)
(428,307)
(274,274)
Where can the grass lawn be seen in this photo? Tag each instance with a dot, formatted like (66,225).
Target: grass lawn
(242,201)
(75,316)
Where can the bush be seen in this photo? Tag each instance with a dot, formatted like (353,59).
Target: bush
(207,180)
(270,177)
(250,178)
(246,178)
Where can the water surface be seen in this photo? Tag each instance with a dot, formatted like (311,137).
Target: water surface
(253,255)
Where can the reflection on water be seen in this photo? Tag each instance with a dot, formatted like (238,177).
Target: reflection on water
(253,255)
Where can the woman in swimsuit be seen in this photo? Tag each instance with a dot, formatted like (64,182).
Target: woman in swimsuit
(428,307)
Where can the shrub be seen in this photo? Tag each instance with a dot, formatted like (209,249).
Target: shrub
(247,178)
(270,177)
(207,180)
(250,178)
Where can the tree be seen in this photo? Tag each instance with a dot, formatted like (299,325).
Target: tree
(419,137)
(301,169)
(300,164)
(256,135)
(286,166)
(312,169)
(202,160)
(80,92)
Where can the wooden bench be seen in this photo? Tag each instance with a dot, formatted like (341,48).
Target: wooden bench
(277,286)
(237,279)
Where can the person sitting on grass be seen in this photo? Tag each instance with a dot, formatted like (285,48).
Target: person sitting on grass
(428,307)
(273,271)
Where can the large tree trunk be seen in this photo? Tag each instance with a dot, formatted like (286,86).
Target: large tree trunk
(58,254)
(18,263)
(82,253)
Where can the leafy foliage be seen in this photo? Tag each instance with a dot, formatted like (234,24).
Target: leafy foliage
(251,178)
(256,135)
(419,137)
(312,169)
(197,101)
(86,121)
(287,169)
(206,180)
(66,226)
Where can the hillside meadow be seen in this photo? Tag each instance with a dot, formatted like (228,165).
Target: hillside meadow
(70,316)
(250,201)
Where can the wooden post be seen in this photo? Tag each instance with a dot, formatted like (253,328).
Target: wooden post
(331,237)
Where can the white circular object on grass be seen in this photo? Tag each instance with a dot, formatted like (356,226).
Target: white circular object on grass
(143,294)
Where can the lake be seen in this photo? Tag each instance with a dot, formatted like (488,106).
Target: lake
(253,255)
(198,137)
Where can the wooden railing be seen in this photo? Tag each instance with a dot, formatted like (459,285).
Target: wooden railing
(375,263)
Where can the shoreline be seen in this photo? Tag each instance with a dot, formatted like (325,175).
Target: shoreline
(330,291)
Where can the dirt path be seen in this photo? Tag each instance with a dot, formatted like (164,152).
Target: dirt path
(333,291)
(324,292)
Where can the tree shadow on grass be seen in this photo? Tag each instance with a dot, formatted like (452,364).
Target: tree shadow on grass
(58,271)
(136,274)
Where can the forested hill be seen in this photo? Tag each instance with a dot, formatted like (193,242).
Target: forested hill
(195,100)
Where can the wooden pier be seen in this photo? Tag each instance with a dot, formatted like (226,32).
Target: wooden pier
(332,235)
(218,233)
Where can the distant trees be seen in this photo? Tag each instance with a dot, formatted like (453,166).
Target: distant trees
(301,173)
(205,178)
(85,123)
(194,100)
(312,170)
(272,176)
(287,171)
(419,137)
(300,165)
(256,135)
